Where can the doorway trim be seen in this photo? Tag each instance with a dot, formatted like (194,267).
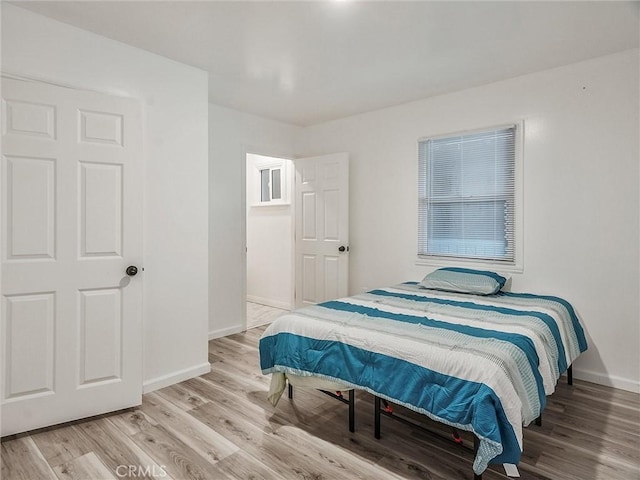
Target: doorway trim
(248,149)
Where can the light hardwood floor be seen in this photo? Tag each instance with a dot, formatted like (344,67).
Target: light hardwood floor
(220,426)
(258,315)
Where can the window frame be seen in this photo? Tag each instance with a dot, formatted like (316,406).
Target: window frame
(516,265)
(271,164)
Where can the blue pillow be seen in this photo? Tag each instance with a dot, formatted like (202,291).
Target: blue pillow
(464,280)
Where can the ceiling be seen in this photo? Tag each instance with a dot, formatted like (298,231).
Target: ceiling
(307,62)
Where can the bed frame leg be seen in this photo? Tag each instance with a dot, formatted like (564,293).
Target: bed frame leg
(570,375)
(352,410)
(290,391)
(376,416)
(539,421)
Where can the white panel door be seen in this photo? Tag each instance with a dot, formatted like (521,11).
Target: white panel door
(71,333)
(322,228)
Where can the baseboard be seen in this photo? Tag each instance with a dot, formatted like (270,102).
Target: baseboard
(269,303)
(607,380)
(223,332)
(175,377)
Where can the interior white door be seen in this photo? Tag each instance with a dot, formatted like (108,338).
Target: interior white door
(322,228)
(71,225)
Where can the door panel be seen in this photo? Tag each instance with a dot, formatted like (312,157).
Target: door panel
(34,119)
(308,290)
(100,127)
(332,277)
(101,209)
(322,227)
(71,223)
(100,331)
(309,216)
(332,215)
(29,355)
(30,191)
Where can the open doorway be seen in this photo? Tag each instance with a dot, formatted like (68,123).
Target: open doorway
(269,232)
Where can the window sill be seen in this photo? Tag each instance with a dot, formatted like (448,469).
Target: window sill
(270,204)
(469,263)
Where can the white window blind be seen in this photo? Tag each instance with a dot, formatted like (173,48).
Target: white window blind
(467,195)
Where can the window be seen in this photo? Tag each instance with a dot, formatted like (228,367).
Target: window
(270,184)
(467,195)
(268,180)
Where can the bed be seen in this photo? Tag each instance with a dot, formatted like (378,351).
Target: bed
(477,361)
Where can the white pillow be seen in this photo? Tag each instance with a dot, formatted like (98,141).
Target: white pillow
(464,280)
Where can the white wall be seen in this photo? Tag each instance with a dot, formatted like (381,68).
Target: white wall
(174,101)
(581,200)
(232,135)
(269,239)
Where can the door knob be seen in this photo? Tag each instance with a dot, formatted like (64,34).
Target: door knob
(131,270)
(342,248)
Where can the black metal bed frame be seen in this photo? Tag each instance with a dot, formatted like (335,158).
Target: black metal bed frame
(388,412)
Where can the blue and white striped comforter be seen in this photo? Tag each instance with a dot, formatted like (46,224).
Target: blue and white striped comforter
(478,363)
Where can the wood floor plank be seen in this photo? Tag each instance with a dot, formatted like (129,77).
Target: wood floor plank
(238,343)
(585,455)
(253,335)
(588,441)
(256,415)
(583,466)
(320,456)
(132,422)
(184,398)
(615,430)
(157,471)
(258,313)
(176,457)
(248,339)
(613,408)
(331,427)
(203,440)
(245,466)
(112,445)
(227,384)
(245,360)
(85,466)
(587,392)
(60,445)
(258,444)
(418,454)
(22,460)
(230,375)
